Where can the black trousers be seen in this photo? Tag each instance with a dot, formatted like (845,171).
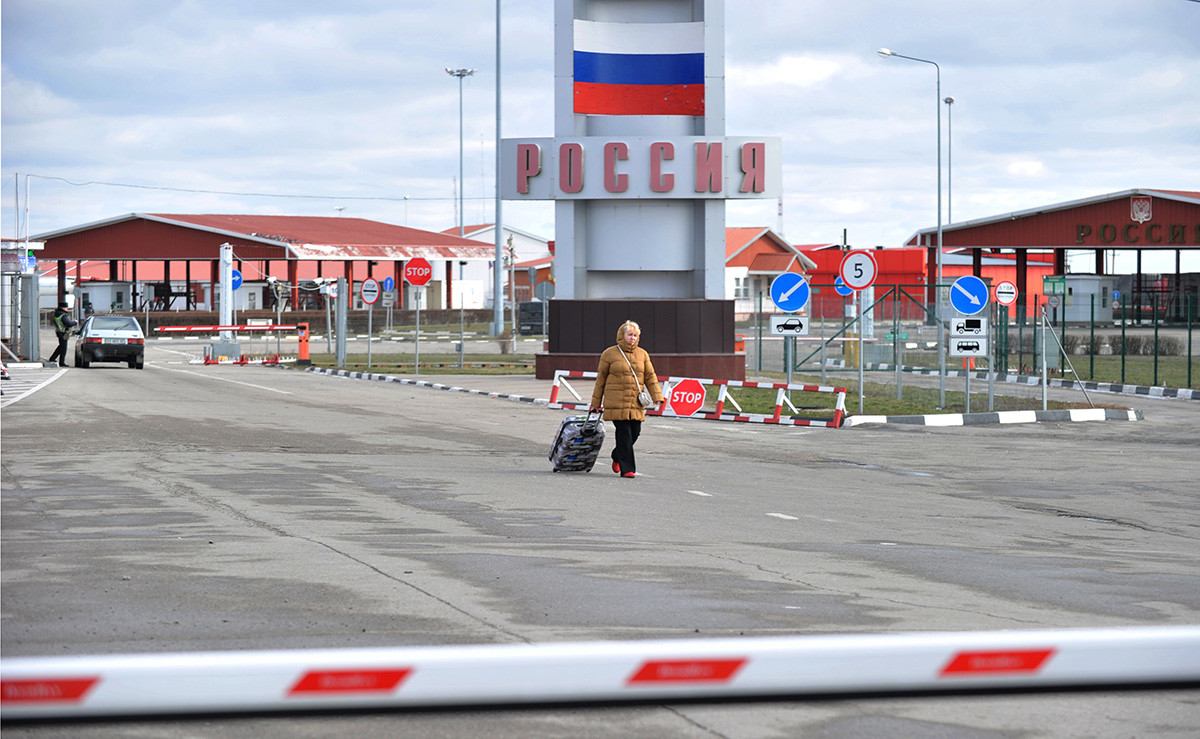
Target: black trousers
(627,434)
(60,354)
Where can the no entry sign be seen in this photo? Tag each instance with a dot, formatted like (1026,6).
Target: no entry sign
(417,271)
(687,397)
(370,291)
(1006,293)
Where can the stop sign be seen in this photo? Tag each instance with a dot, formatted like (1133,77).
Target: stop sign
(417,271)
(687,397)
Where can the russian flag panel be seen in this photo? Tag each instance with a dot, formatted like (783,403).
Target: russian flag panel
(639,68)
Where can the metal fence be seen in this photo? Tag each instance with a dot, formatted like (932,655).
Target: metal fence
(896,336)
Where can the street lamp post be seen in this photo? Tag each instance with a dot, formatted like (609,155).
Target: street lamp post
(938,286)
(949,101)
(459,73)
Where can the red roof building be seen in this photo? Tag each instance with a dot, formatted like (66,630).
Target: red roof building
(1136,220)
(163,248)
(753,258)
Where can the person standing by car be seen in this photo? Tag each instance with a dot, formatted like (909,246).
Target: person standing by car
(63,323)
(624,372)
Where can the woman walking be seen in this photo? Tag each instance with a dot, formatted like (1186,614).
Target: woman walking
(625,371)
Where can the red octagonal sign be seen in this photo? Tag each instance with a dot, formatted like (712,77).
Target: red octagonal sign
(687,397)
(417,271)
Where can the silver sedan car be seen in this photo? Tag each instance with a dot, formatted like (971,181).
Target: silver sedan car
(110,339)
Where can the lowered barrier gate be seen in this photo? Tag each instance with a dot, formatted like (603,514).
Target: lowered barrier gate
(508,674)
(301,329)
(681,403)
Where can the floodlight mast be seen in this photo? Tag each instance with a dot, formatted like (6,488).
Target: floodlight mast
(937,300)
(460,73)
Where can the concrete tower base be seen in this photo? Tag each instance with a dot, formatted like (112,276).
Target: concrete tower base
(685,338)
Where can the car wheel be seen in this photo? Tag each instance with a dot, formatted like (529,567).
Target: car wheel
(139,363)
(78,360)
(83,361)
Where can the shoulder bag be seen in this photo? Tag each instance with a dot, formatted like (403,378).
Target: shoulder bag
(643,394)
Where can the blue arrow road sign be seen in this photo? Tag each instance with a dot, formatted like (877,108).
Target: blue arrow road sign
(789,291)
(389,284)
(968,295)
(236,280)
(842,288)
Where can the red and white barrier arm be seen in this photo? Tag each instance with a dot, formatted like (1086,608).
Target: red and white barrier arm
(561,376)
(217,329)
(258,681)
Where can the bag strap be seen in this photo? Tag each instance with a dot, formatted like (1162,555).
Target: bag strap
(635,377)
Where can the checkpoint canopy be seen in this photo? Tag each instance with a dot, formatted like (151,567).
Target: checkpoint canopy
(155,248)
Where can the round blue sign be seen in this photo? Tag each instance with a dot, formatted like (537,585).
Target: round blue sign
(1116,294)
(389,284)
(235,281)
(969,295)
(790,292)
(842,288)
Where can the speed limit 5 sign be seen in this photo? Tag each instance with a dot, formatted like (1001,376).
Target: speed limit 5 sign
(859,270)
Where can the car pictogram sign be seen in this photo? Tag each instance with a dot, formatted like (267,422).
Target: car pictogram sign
(789,325)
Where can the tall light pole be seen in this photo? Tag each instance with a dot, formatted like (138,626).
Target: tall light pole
(937,301)
(949,101)
(497,304)
(459,73)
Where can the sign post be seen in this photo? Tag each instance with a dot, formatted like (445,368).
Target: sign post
(370,294)
(417,273)
(1006,292)
(389,298)
(969,336)
(1006,295)
(858,271)
(790,292)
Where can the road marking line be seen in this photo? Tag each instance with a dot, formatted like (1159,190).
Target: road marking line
(222,379)
(701,494)
(784,516)
(33,390)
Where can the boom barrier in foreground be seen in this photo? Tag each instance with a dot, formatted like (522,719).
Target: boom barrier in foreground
(715,669)
(782,400)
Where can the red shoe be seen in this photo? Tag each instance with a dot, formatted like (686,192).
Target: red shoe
(616,468)
(627,474)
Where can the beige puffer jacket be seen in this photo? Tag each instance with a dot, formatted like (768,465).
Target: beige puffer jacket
(616,389)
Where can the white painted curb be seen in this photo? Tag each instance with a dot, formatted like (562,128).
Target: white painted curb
(261,681)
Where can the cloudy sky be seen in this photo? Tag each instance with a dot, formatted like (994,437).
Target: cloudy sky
(301,107)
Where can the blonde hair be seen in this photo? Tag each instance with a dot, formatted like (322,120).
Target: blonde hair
(626,326)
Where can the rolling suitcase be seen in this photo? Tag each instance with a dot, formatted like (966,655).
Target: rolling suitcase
(578,443)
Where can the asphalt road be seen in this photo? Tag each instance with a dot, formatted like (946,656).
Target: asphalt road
(185,507)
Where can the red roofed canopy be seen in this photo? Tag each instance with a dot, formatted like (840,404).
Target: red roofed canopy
(154,236)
